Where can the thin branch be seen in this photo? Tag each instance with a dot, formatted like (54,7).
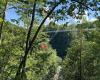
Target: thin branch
(28,37)
(83,4)
(3,18)
(23,62)
(39,28)
(31,25)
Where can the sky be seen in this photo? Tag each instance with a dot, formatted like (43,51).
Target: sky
(11,14)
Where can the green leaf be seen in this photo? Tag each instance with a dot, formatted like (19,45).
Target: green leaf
(1,20)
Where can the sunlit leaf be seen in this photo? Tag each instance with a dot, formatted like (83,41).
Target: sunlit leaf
(1,20)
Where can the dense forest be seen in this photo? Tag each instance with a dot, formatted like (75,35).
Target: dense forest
(32,48)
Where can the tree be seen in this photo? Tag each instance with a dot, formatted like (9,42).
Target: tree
(56,3)
(5,2)
(89,58)
(53,12)
(41,62)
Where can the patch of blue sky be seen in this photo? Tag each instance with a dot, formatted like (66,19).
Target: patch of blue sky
(11,14)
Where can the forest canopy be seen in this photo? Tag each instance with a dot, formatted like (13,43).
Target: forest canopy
(50,40)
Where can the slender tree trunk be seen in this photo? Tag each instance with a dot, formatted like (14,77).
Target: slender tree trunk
(3,17)
(27,43)
(21,68)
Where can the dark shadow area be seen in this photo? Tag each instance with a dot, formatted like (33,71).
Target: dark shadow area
(60,42)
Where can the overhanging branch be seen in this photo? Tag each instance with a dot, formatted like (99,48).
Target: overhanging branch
(31,24)
(82,4)
(33,39)
(23,62)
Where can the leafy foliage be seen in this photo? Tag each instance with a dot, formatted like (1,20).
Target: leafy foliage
(89,58)
(40,61)
(27,53)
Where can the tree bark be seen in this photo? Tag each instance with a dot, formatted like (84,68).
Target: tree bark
(3,17)
(27,41)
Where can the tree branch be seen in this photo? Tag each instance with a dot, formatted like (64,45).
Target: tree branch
(27,40)
(3,18)
(33,39)
(23,62)
(31,24)
(82,4)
